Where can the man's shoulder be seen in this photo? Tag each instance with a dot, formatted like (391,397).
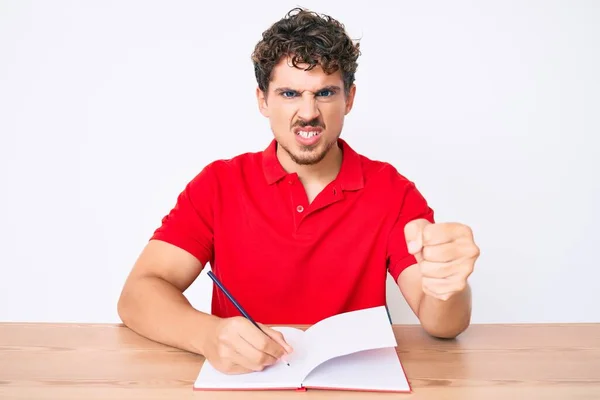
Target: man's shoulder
(237,163)
(385,177)
(381,172)
(247,163)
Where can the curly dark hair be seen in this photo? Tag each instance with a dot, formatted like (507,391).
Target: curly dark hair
(307,38)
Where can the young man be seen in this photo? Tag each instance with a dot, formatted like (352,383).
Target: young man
(301,231)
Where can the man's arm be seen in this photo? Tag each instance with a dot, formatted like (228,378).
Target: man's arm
(152,301)
(436,287)
(439,318)
(152,304)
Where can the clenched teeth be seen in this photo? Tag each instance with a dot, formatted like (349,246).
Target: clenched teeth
(307,135)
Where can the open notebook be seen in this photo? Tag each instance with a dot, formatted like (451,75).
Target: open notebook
(349,351)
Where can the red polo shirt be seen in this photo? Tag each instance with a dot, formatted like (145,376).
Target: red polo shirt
(287,261)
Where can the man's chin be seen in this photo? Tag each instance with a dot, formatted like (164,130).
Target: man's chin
(308,156)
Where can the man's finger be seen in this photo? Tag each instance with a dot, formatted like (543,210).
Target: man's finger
(443,253)
(436,270)
(442,288)
(261,342)
(238,366)
(413,233)
(238,370)
(444,232)
(436,288)
(429,292)
(251,356)
(278,337)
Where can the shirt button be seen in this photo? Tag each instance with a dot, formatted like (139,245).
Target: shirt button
(299,209)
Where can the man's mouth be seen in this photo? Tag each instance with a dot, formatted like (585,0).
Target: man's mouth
(307,134)
(308,131)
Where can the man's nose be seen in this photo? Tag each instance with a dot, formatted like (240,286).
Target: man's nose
(309,109)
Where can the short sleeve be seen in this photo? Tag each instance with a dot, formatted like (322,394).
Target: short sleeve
(414,206)
(189,224)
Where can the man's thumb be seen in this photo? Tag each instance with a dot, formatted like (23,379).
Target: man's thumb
(413,233)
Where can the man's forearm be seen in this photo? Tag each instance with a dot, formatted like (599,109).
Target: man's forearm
(446,319)
(159,311)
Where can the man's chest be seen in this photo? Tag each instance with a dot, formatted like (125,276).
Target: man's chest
(282,231)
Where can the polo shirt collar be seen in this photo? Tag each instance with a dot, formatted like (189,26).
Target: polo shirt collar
(350,176)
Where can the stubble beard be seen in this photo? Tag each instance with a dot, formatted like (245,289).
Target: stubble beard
(309,155)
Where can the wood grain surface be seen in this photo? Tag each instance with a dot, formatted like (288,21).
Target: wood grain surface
(89,361)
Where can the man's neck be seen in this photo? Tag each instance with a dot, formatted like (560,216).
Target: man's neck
(321,173)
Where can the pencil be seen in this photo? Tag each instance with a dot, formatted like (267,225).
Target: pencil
(388,314)
(235,303)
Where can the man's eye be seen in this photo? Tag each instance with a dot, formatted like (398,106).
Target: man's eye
(288,94)
(326,93)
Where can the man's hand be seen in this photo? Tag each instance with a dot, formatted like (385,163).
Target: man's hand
(446,254)
(236,346)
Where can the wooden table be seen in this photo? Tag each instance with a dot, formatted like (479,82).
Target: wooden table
(83,361)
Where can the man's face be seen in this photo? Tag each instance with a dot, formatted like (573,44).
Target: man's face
(306,110)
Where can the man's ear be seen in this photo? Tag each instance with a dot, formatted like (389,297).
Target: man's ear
(261,98)
(350,98)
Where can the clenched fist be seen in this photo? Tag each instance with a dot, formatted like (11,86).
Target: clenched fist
(236,346)
(446,253)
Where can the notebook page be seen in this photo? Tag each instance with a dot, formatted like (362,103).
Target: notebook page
(348,333)
(376,370)
(278,375)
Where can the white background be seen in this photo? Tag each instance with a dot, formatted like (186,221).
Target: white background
(108,108)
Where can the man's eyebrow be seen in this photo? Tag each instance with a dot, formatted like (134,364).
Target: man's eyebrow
(333,88)
(284,89)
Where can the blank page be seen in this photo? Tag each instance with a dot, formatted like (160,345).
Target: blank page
(348,333)
(276,376)
(377,370)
